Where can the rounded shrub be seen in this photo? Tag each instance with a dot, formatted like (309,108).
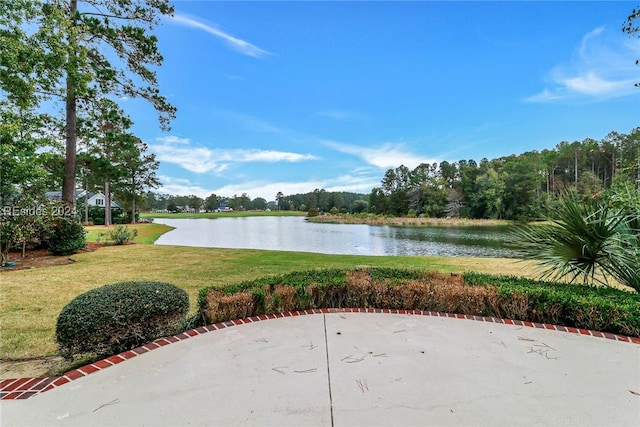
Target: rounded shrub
(68,235)
(119,317)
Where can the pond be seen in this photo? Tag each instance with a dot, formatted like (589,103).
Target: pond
(297,234)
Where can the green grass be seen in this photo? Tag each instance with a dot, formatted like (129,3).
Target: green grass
(232,214)
(147,233)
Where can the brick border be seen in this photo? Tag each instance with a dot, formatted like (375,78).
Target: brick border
(24,388)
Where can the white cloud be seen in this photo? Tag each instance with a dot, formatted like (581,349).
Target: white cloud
(171,139)
(389,155)
(602,67)
(354,183)
(270,156)
(359,181)
(591,84)
(202,159)
(545,96)
(237,44)
(181,187)
(268,190)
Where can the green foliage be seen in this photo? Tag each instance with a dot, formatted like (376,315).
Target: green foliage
(591,241)
(597,308)
(603,309)
(313,212)
(68,236)
(120,316)
(119,235)
(25,219)
(517,187)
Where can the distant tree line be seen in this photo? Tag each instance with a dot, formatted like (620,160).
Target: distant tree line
(321,200)
(178,203)
(516,187)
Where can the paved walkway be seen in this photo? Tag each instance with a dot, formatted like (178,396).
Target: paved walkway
(352,369)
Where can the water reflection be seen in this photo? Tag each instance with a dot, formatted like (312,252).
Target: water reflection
(296,234)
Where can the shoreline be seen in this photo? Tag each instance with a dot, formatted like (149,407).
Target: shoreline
(409,222)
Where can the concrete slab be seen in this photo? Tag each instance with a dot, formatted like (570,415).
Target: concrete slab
(414,370)
(351,369)
(272,372)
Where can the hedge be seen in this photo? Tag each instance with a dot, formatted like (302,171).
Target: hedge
(602,309)
(120,316)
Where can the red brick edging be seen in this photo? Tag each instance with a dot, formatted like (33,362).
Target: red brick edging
(24,388)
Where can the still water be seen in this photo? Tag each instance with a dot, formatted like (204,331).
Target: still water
(297,234)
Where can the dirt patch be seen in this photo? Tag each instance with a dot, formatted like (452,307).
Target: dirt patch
(33,368)
(40,258)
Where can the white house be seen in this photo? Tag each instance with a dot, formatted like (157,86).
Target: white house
(94,199)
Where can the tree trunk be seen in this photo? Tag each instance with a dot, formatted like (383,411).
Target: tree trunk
(69,180)
(107,204)
(133,209)
(86,204)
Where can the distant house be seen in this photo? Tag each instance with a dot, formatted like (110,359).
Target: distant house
(93,199)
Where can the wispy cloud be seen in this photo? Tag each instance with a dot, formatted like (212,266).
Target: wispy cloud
(239,45)
(602,67)
(179,151)
(268,190)
(358,181)
(182,187)
(388,155)
(172,139)
(269,156)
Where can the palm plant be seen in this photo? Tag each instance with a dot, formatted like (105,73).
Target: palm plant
(594,242)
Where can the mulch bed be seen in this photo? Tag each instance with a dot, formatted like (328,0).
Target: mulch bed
(39,258)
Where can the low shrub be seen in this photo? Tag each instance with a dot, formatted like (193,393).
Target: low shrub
(120,316)
(68,235)
(119,235)
(603,309)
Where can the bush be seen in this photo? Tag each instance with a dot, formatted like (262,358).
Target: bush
(313,212)
(120,316)
(119,235)
(603,309)
(68,236)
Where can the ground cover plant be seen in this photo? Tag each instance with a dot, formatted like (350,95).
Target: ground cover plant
(603,309)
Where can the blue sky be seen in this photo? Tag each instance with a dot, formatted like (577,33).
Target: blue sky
(294,96)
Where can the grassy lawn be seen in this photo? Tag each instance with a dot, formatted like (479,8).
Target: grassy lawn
(147,233)
(232,214)
(32,299)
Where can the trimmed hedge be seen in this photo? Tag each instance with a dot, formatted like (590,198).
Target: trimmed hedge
(602,309)
(119,317)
